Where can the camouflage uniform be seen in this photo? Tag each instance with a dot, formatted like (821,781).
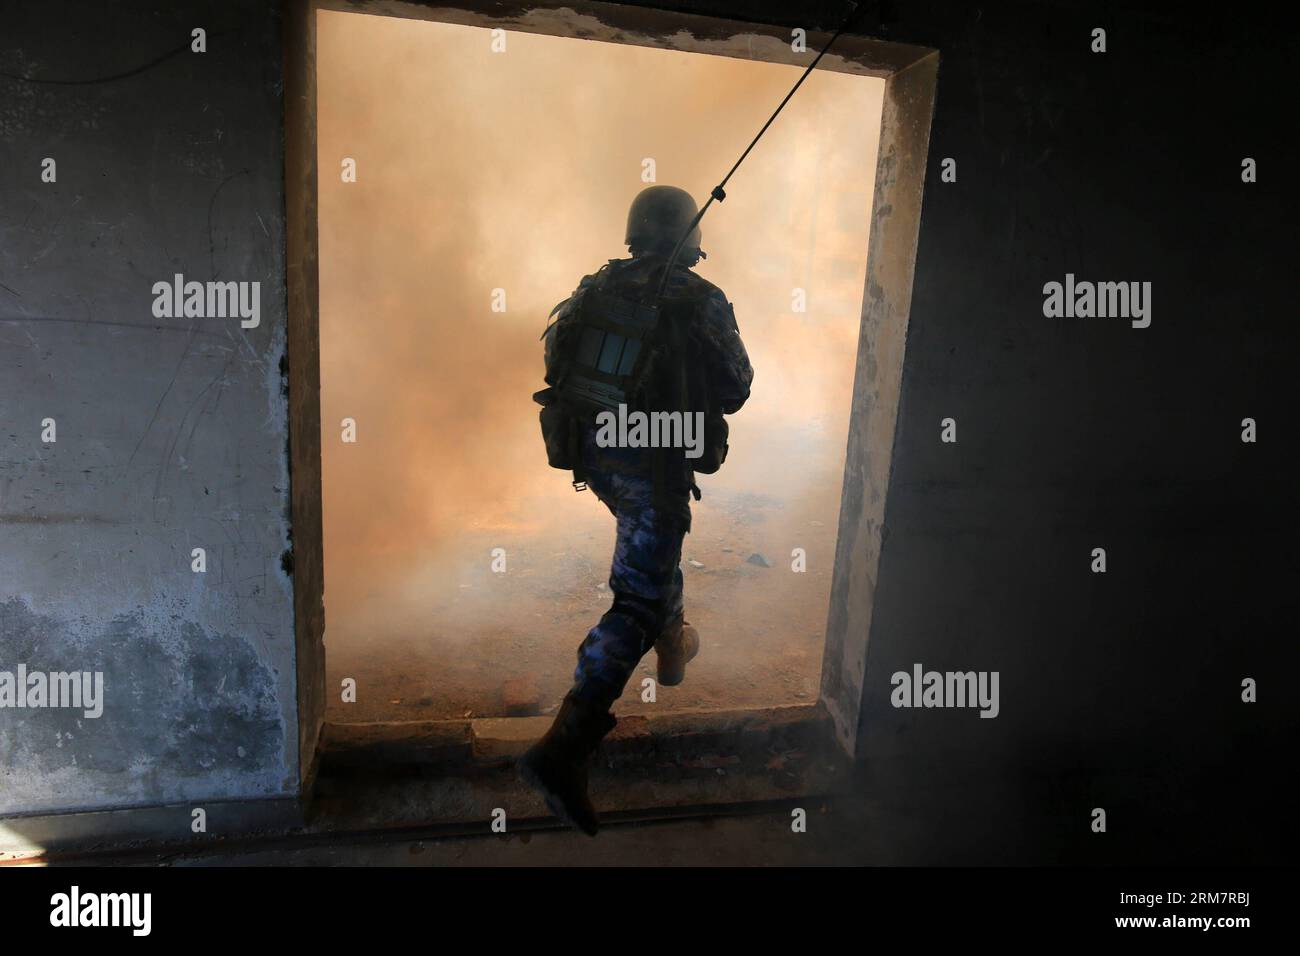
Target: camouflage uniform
(646,579)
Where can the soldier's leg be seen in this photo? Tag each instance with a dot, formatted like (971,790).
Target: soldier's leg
(644,578)
(646,582)
(676,596)
(678,642)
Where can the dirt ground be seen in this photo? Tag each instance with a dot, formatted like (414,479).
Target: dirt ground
(761,623)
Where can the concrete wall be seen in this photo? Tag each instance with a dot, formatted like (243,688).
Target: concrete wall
(171,433)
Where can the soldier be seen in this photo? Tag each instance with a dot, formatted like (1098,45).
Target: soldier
(615,342)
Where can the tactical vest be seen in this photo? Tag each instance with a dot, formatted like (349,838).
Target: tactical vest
(617,348)
(606,367)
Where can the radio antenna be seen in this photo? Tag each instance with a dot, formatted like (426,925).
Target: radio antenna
(719,192)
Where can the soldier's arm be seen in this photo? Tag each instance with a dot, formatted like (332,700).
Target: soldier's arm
(560,316)
(730,374)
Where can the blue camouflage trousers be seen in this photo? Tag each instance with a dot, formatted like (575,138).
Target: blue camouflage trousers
(646,576)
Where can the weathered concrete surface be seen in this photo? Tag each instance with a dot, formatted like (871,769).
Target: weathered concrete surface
(453,746)
(171,432)
(302,274)
(837,835)
(426,775)
(886,312)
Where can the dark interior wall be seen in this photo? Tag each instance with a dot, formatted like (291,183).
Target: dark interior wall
(171,432)
(1118,690)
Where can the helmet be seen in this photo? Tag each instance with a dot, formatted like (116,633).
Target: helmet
(658,217)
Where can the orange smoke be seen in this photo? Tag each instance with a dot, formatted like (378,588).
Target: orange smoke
(481,171)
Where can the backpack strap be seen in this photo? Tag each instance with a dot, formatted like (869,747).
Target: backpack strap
(575,454)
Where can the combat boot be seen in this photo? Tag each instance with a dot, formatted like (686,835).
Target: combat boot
(556,766)
(676,647)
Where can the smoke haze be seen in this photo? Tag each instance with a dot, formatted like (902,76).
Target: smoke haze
(479,171)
